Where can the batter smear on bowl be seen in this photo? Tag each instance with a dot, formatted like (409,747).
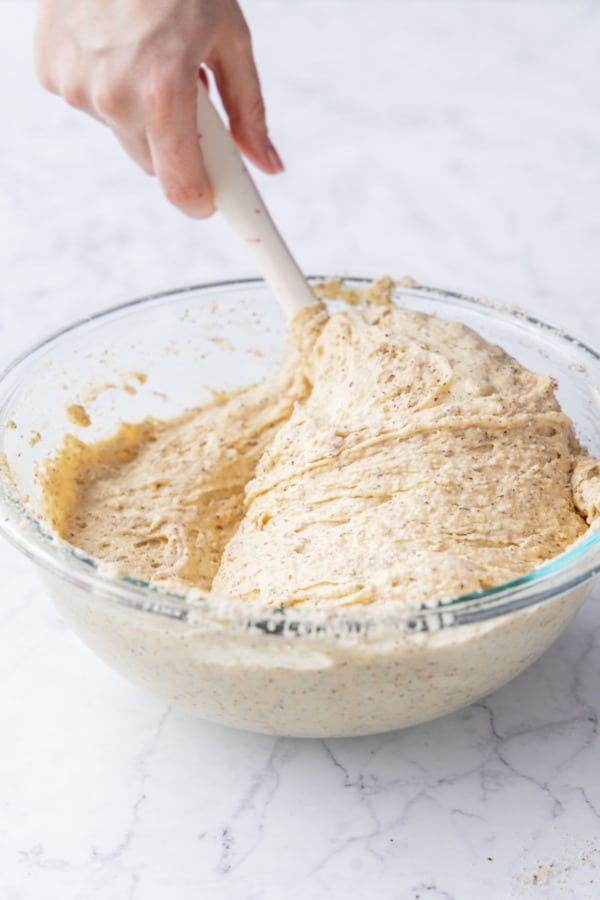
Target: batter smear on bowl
(396,456)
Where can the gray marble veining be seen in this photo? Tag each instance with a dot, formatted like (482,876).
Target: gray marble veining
(458,142)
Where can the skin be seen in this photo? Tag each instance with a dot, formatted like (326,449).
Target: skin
(133,65)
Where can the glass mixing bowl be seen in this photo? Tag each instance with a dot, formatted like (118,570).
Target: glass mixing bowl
(349,671)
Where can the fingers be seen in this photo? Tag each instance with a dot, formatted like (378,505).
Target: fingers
(145,88)
(114,104)
(238,84)
(170,116)
(135,144)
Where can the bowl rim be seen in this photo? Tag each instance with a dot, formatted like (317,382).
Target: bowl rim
(571,569)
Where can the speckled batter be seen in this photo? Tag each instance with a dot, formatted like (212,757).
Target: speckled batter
(396,456)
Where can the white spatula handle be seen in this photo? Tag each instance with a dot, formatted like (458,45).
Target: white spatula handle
(238,199)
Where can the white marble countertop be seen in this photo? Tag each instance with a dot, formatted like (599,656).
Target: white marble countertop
(455,141)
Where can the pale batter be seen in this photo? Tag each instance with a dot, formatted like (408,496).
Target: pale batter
(396,456)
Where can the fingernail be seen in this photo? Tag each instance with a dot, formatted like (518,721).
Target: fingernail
(273,157)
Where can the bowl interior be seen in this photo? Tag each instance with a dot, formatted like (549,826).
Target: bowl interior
(156,357)
(164,354)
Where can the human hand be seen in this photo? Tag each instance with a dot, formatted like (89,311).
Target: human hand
(133,64)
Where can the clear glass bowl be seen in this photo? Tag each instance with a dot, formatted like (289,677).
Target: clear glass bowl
(349,671)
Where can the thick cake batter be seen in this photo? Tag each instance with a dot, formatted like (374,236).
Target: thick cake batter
(396,456)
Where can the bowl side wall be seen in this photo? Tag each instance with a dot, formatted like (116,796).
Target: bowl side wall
(323,688)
